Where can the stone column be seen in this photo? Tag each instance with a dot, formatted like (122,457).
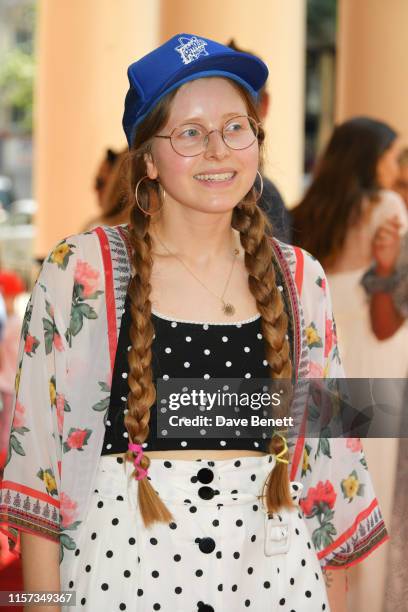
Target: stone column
(83,50)
(372,61)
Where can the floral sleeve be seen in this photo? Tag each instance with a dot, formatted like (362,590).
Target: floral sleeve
(30,490)
(339,503)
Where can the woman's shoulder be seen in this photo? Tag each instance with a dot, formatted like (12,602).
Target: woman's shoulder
(91,254)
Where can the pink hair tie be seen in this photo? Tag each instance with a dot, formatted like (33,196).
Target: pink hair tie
(141,472)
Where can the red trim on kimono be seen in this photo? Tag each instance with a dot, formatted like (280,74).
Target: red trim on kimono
(349,532)
(356,561)
(345,536)
(294,286)
(299,269)
(109,293)
(7,484)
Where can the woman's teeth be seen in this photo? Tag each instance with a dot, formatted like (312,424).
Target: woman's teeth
(215,177)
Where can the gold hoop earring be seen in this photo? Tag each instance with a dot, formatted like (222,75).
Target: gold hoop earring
(156,196)
(262,187)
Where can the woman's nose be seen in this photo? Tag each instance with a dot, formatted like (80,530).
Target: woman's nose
(216,146)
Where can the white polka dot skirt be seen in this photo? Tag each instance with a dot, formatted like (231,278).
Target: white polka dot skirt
(221,552)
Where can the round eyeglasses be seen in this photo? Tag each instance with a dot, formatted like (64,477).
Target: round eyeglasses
(192,139)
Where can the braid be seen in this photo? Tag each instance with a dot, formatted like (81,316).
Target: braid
(142,394)
(252,224)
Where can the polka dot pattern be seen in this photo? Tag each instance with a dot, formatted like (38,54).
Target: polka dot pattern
(171,566)
(183,349)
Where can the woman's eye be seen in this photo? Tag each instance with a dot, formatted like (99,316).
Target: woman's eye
(234,127)
(190,133)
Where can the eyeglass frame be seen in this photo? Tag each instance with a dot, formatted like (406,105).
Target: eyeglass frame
(257,124)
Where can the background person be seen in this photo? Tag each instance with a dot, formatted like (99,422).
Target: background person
(401,184)
(271,200)
(111,188)
(386,285)
(349,198)
(11,286)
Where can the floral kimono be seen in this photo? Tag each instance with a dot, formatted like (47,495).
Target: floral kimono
(67,354)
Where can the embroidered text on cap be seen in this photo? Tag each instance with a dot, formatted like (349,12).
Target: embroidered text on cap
(190,49)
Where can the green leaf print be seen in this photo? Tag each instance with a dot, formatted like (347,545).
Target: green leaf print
(87,311)
(49,329)
(101,405)
(16,446)
(66,542)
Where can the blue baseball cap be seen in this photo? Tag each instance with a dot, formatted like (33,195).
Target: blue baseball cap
(183,58)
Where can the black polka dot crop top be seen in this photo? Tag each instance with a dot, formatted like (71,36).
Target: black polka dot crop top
(184,349)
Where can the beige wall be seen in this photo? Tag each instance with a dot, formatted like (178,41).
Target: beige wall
(373,61)
(84,48)
(275,29)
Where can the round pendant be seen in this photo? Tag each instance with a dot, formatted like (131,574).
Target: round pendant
(228,309)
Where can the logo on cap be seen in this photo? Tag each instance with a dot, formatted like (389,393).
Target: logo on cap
(190,49)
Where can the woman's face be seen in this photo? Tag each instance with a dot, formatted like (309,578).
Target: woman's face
(387,166)
(217,179)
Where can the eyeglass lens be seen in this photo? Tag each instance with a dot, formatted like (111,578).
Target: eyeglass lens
(237,133)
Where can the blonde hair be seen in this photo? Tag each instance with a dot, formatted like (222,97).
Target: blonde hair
(253,227)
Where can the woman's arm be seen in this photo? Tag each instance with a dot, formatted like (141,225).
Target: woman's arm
(41,569)
(385,318)
(336,585)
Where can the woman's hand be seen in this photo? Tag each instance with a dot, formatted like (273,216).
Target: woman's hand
(386,246)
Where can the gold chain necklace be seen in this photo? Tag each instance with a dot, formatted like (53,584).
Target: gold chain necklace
(227,307)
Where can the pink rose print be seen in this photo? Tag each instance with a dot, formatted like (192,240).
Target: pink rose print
(315,370)
(87,277)
(60,401)
(68,510)
(330,337)
(30,345)
(58,342)
(354,444)
(18,420)
(323,493)
(77,439)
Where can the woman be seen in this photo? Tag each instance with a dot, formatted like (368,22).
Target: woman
(348,200)
(386,287)
(110,185)
(236,304)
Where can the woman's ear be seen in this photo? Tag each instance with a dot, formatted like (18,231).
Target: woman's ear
(151,169)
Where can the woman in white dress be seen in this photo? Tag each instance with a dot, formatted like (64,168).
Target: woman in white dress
(347,201)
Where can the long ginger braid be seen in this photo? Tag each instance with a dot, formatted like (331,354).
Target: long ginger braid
(249,220)
(142,393)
